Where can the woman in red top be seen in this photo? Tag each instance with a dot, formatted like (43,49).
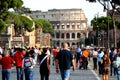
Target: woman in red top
(54,53)
(6,62)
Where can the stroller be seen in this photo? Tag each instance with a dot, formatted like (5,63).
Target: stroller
(83,62)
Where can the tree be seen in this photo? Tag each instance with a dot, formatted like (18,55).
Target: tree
(46,25)
(23,10)
(5,5)
(17,19)
(2,25)
(102,23)
(111,6)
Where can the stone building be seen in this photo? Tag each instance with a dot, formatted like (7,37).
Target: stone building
(70,25)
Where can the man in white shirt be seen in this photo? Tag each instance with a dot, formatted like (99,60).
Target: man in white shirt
(95,53)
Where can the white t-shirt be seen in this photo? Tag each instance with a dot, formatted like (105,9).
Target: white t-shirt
(95,53)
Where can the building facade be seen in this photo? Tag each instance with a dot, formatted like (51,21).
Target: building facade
(70,25)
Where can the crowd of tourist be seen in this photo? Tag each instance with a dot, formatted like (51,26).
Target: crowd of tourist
(105,61)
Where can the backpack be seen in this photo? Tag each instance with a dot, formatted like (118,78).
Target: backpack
(27,62)
(116,64)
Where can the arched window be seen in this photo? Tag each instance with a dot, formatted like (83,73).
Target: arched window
(67,35)
(73,43)
(57,35)
(68,43)
(62,44)
(58,43)
(78,35)
(73,35)
(62,35)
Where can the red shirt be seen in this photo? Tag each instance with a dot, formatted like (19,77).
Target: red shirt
(18,57)
(6,62)
(54,52)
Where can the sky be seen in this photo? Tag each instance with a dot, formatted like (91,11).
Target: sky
(90,9)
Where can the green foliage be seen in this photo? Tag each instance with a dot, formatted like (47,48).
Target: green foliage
(21,22)
(7,4)
(23,10)
(101,23)
(6,16)
(46,25)
(27,23)
(17,21)
(51,42)
(38,23)
(2,26)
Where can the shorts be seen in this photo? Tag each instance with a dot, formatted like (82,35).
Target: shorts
(65,74)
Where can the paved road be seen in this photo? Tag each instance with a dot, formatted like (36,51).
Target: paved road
(76,75)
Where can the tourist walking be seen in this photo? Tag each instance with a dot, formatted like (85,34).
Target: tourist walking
(44,62)
(54,53)
(27,64)
(95,54)
(113,56)
(85,55)
(64,59)
(18,57)
(118,65)
(6,63)
(100,55)
(78,55)
(105,61)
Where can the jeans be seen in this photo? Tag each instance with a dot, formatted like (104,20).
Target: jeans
(118,74)
(100,68)
(6,74)
(19,74)
(65,74)
(28,74)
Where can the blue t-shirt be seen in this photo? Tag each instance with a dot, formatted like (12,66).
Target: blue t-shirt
(78,50)
(100,55)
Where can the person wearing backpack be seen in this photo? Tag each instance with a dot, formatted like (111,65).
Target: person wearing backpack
(113,56)
(27,64)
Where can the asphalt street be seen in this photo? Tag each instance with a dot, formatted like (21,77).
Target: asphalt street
(78,74)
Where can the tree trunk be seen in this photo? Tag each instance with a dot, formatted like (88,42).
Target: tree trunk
(114,32)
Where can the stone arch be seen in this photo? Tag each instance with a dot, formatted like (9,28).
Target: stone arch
(57,35)
(78,35)
(62,44)
(68,35)
(73,43)
(68,43)
(62,35)
(73,35)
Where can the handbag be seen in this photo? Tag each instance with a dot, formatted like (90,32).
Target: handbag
(115,64)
